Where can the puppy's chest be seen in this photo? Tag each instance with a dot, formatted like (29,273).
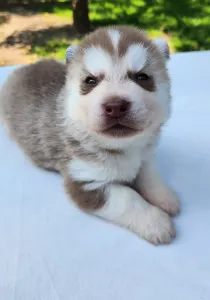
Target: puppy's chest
(123,167)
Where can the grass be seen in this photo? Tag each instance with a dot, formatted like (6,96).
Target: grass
(54,48)
(184,23)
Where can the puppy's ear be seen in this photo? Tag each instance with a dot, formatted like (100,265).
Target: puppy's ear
(70,52)
(163,47)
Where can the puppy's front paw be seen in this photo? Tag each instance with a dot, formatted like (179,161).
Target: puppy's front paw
(157,227)
(169,202)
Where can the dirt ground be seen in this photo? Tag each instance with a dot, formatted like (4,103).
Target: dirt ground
(15,28)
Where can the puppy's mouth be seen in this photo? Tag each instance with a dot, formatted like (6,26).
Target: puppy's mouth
(119,130)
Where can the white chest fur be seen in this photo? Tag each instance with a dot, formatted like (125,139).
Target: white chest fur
(123,167)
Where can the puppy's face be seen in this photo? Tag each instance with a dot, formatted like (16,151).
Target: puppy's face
(117,84)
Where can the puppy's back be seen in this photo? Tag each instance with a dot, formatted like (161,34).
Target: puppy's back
(28,102)
(32,85)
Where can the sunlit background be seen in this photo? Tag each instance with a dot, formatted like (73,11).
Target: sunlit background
(30,30)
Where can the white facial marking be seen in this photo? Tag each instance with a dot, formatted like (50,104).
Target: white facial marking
(115,37)
(136,57)
(97,60)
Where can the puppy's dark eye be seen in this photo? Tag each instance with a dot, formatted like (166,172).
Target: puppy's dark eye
(142,77)
(143,80)
(90,80)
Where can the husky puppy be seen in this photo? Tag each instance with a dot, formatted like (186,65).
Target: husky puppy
(97,120)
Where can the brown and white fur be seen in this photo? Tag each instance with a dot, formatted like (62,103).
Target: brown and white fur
(97,120)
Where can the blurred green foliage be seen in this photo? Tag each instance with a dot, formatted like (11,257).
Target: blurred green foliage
(185,23)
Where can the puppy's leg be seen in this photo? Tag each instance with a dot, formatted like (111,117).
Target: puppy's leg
(123,206)
(151,186)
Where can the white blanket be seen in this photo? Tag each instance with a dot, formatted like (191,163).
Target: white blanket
(49,250)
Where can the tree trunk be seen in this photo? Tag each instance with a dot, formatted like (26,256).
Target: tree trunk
(81,16)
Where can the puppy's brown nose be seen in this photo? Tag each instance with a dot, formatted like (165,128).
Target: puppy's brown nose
(116,109)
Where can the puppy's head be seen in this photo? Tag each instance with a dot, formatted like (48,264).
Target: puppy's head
(117,83)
